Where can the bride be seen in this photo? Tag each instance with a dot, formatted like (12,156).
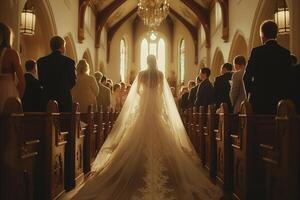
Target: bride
(148,155)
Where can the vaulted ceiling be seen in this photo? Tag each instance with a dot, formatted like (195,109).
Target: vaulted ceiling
(113,13)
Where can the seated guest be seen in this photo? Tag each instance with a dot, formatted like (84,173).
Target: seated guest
(266,77)
(123,92)
(237,91)
(222,86)
(116,101)
(192,93)
(109,84)
(205,90)
(104,96)
(86,89)
(33,98)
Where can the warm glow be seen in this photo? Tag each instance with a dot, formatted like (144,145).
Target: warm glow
(282,18)
(27,26)
(182,60)
(123,60)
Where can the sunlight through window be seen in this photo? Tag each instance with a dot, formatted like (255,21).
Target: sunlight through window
(122,60)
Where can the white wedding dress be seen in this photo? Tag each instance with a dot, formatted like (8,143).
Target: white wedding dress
(148,155)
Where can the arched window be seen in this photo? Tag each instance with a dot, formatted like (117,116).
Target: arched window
(123,60)
(182,60)
(155,45)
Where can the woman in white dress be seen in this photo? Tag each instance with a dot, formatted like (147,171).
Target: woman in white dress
(148,155)
(10,67)
(86,88)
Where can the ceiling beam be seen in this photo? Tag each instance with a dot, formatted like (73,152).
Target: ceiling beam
(192,29)
(203,15)
(83,4)
(111,31)
(225,19)
(103,16)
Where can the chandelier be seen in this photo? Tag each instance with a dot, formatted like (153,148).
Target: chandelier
(153,12)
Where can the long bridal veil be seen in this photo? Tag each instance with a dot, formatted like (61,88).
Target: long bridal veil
(148,154)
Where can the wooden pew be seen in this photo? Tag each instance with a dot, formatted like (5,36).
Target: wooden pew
(196,136)
(89,150)
(99,121)
(248,170)
(32,163)
(282,157)
(210,141)
(227,125)
(202,128)
(70,122)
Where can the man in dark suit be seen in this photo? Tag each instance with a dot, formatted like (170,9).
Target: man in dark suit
(57,75)
(192,93)
(222,86)
(205,90)
(295,82)
(266,77)
(33,98)
(183,101)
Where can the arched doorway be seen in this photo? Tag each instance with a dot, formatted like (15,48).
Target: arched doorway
(218,60)
(265,11)
(87,56)
(70,47)
(37,45)
(238,47)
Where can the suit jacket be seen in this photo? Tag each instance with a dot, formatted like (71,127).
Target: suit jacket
(192,96)
(104,97)
(266,77)
(183,101)
(237,92)
(57,76)
(222,89)
(294,88)
(205,94)
(33,98)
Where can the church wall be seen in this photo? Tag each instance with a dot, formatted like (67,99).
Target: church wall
(191,69)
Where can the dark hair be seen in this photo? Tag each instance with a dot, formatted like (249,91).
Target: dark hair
(192,83)
(103,79)
(5,35)
(116,86)
(227,66)
(294,59)
(56,43)
(269,29)
(239,60)
(30,65)
(206,71)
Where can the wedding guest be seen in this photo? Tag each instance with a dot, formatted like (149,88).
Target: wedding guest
(222,86)
(237,90)
(86,88)
(193,92)
(266,81)
(205,90)
(10,68)
(123,92)
(57,74)
(33,99)
(294,59)
(295,82)
(104,96)
(116,102)
(184,101)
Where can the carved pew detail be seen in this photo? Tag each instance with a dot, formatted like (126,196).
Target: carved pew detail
(70,123)
(281,158)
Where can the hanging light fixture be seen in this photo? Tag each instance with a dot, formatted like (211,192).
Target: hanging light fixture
(27,26)
(153,12)
(282,17)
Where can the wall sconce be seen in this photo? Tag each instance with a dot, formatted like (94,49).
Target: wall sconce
(27,26)
(282,17)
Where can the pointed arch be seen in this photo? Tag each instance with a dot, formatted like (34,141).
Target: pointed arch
(218,60)
(70,46)
(238,46)
(87,56)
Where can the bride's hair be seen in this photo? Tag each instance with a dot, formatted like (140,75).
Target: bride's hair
(151,61)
